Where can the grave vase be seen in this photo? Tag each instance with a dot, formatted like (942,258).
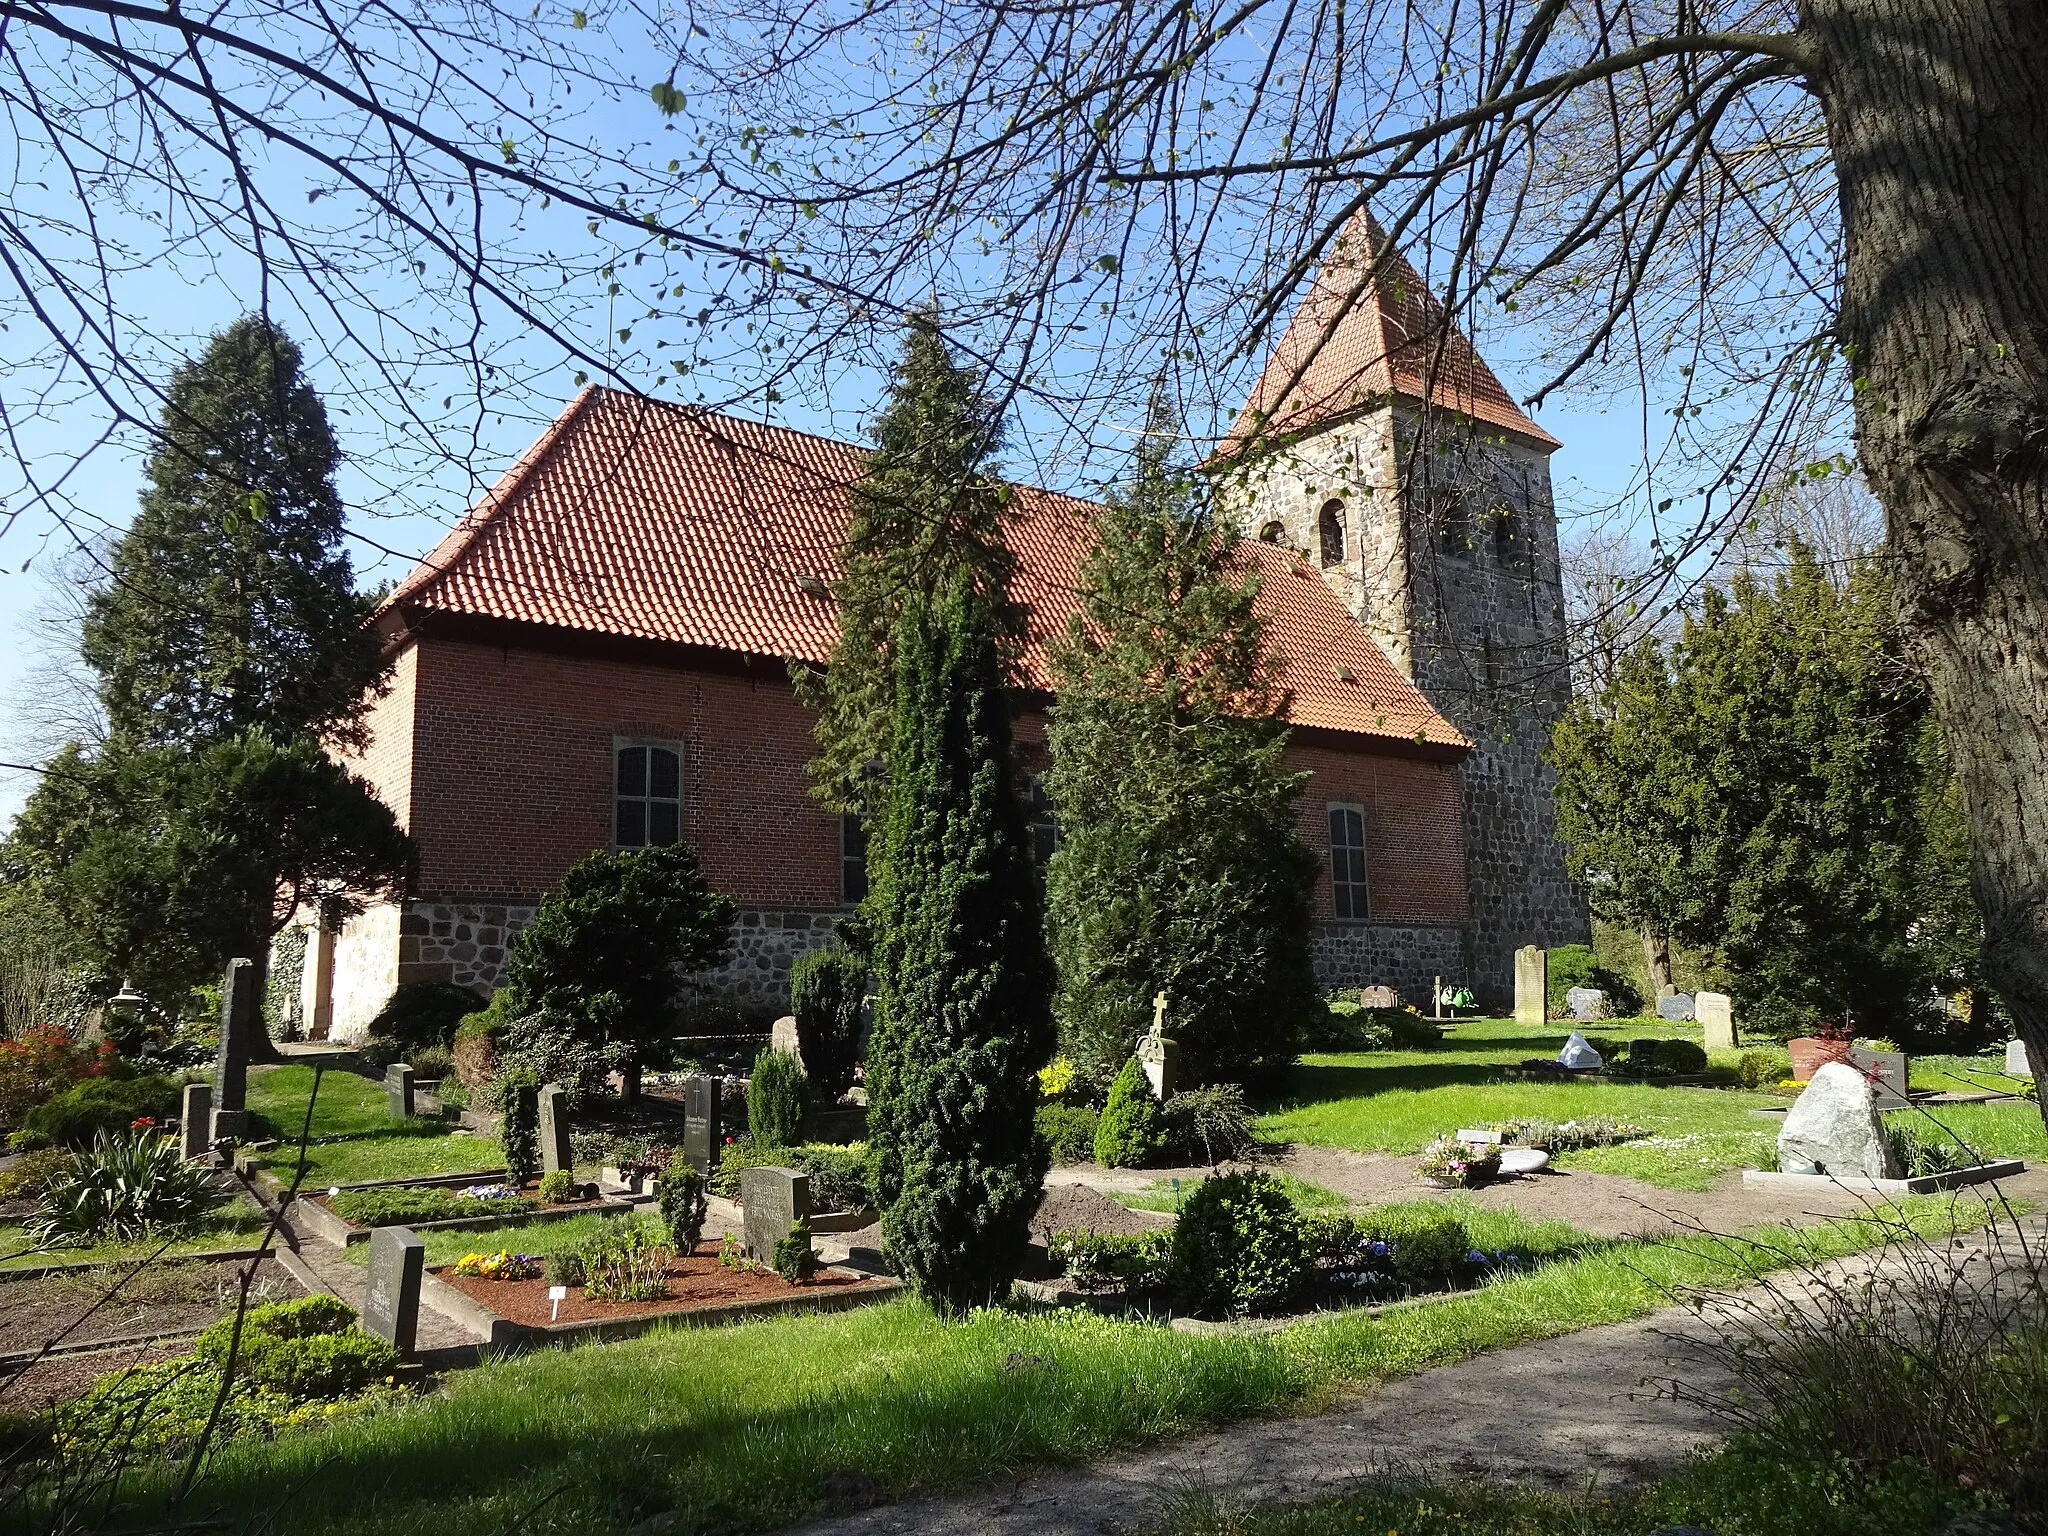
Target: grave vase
(1812,1052)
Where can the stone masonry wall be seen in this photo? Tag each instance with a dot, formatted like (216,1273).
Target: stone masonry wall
(1408,959)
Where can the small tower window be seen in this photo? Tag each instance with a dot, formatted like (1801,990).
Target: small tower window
(1505,533)
(1454,519)
(1270,534)
(1330,531)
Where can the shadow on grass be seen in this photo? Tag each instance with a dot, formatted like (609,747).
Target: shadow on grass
(1315,1083)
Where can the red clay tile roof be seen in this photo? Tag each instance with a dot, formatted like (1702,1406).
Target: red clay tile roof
(1390,340)
(640,519)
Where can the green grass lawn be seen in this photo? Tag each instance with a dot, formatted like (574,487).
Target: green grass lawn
(235,1225)
(739,1428)
(355,1137)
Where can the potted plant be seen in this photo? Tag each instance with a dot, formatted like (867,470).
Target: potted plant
(1454,1164)
(1812,1052)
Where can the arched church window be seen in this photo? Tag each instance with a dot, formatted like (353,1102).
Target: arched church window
(1330,531)
(1270,534)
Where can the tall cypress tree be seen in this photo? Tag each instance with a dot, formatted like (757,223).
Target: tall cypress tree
(230,603)
(929,507)
(962,1020)
(1179,866)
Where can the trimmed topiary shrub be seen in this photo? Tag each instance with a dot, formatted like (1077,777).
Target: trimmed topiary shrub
(839,1176)
(1762,1069)
(1069,1131)
(778,1100)
(557,1187)
(828,991)
(1427,1246)
(99,1106)
(679,1191)
(795,1259)
(1129,1134)
(519,1125)
(1239,1246)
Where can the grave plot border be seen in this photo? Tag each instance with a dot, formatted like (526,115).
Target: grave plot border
(1923,1184)
(316,1218)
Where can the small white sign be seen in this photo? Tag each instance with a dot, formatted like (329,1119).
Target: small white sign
(333,1190)
(557,1294)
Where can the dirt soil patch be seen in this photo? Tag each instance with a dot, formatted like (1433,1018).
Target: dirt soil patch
(694,1283)
(162,1297)
(1077,1208)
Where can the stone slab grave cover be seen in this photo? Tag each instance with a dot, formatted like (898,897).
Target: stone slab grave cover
(1716,1013)
(1887,1073)
(703,1123)
(1586,1003)
(553,1106)
(195,1123)
(391,1305)
(1675,1009)
(240,1017)
(2016,1063)
(772,1200)
(1378,997)
(1532,984)
(398,1090)
(1578,1054)
(1834,1128)
(1159,1056)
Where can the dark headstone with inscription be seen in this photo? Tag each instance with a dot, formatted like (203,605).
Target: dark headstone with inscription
(1887,1073)
(241,1020)
(391,1306)
(703,1125)
(398,1090)
(772,1200)
(195,1123)
(553,1105)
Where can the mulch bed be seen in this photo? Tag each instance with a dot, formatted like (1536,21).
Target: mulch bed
(695,1282)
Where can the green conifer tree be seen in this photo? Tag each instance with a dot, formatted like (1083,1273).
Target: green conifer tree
(1179,867)
(962,1019)
(929,506)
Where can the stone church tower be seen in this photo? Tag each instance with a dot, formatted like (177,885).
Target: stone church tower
(1379,445)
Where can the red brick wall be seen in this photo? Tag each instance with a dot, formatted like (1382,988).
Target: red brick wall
(508,781)
(1414,836)
(387,761)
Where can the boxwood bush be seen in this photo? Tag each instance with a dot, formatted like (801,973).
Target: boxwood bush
(1240,1246)
(309,1348)
(1069,1130)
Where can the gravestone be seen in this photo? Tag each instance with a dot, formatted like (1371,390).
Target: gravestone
(782,1037)
(1378,997)
(1676,1008)
(195,1124)
(391,1306)
(241,1016)
(1159,1056)
(398,1090)
(1833,1128)
(703,1125)
(1887,1073)
(1532,984)
(1586,1003)
(772,1200)
(2016,1063)
(1716,1013)
(553,1106)
(1578,1054)
(1523,1160)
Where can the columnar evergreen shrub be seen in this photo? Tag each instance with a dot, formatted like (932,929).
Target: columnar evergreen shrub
(1129,1134)
(679,1190)
(962,1019)
(519,1126)
(828,995)
(1240,1246)
(778,1100)
(795,1259)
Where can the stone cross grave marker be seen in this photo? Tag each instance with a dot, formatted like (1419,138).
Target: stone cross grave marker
(1716,1013)
(398,1090)
(703,1130)
(772,1200)
(195,1123)
(240,1017)
(1887,1073)
(554,1128)
(1159,1056)
(1532,984)
(391,1306)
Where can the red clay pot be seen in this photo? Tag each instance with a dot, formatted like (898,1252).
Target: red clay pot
(1812,1052)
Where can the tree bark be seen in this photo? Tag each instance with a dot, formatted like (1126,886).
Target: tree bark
(1657,958)
(1937,115)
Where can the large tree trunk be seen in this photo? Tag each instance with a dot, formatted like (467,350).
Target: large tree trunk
(1937,115)
(1657,960)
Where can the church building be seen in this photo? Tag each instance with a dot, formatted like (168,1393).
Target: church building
(598,654)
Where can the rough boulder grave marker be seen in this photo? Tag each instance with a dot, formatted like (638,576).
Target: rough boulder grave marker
(391,1306)
(1675,1009)
(195,1125)
(1716,1011)
(241,1016)
(1532,984)
(1578,1054)
(703,1127)
(553,1106)
(1834,1128)
(398,1090)
(783,1037)
(772,1200)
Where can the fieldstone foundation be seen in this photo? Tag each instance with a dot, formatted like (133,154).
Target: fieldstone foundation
(1406,958)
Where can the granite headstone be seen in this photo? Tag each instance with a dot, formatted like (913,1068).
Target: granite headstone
(703,1125)
(195,1125)
(1532,984)
(398,1090)
(1378,997)
(1716,1013)
(1586,1003)
(2016,1063)
(772,1200)
(552,1105)
(1676,1008)
(391,1305)
(241,1016)
(1887,1073)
